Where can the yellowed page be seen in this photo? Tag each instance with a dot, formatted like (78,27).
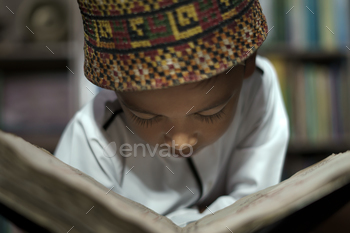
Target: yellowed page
(269,205)
(28,162)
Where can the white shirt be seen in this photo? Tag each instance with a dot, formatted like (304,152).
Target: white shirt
(248,157)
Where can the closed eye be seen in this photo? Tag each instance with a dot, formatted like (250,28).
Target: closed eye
(145,122)
(211,118)
(205,118)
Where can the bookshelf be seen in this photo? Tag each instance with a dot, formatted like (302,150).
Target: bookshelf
(38,94)
(33,69)
(309,45)
(34,51)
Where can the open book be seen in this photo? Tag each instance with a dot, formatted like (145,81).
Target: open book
(56,197)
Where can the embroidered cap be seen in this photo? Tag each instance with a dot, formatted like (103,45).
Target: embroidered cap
(133,45)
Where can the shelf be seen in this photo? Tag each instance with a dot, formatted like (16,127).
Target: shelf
(34,66)
(318,148)
(34,51)
(286,52)
(290,54)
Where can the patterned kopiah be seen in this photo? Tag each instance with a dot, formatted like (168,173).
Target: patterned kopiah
(135,45)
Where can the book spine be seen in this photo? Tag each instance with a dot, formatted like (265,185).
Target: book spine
(341,11)
(298,18)
(302,102)
(308,100)
(325,108)
(326,25)
(1,100)
(319,97)
(335,103)
(280,21)
(328,111)
(268,10)
(344,102)
(292,111)
(312,25)
(314,107)
(294,84)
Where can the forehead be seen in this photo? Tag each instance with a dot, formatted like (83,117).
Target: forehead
(199,94)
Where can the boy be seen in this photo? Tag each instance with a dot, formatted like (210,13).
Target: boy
(185,76)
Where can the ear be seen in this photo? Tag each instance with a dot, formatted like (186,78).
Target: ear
(250,65)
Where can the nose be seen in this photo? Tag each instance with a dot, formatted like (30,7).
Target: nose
(181,140)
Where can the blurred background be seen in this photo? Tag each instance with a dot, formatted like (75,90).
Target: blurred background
(42,83)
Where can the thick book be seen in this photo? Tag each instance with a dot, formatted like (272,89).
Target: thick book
(43,194)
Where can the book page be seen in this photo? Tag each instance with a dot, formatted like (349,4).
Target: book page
(41,166)
(269,205)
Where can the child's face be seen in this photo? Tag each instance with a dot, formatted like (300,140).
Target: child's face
(194,114)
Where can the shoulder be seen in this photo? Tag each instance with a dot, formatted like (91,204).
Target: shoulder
(85,128)
(84,143)
(260,94)
(261,109)
(264,75)
(268,72)
(95,113)
(260,87)
(265,65)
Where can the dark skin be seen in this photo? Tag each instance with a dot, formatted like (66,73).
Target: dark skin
(194,116)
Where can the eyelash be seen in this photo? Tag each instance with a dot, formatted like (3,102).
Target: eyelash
(144,122)
(149,122)
(212,118)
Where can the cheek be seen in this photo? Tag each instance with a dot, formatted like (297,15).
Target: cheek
(149,134)
(211,132)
